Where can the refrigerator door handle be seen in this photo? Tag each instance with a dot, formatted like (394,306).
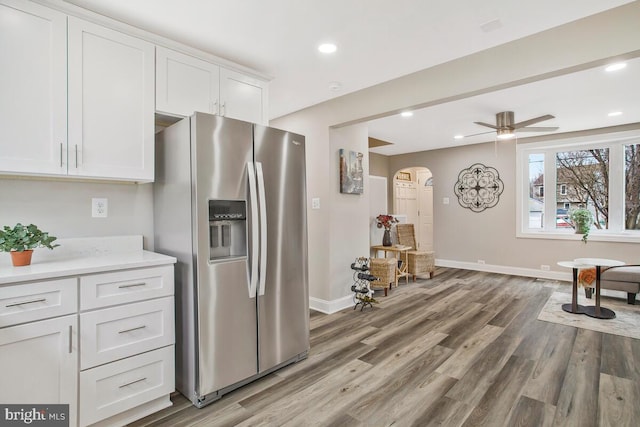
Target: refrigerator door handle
(263,229)
(255,243)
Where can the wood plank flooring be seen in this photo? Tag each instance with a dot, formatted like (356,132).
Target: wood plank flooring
(462,349)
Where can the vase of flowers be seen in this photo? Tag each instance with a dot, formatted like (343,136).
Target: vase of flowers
(386,221)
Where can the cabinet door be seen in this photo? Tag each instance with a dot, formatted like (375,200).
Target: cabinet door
(33,104)
(39,363)
(111,103)
(185,84)
(243,97)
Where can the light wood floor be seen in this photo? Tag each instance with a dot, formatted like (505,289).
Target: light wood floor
(464,348)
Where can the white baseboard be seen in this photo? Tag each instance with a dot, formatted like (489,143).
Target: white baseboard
(333,306)
(503,269)
(329,307)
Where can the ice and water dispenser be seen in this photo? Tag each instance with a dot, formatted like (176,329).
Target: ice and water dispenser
(227,229)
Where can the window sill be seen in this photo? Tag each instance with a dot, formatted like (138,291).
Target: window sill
(628,237)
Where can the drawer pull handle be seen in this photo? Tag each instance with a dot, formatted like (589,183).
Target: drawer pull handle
(26,302)
(70,338)
(132,329)
(132,382)
(132,285)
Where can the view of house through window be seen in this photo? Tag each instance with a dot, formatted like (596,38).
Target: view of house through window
(585,176)
(603,177)
(536,191)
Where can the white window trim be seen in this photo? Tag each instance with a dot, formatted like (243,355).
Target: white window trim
(615,143)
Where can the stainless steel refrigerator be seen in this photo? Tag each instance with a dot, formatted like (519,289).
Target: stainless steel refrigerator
(230,205)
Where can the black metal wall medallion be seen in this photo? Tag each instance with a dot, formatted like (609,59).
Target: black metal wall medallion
(478,187)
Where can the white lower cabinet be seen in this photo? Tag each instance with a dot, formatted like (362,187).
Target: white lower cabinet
(39,363)
(118,332)
(111,358)
(115,388)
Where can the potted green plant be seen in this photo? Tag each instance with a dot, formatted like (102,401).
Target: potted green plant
(20,241)
(582,220)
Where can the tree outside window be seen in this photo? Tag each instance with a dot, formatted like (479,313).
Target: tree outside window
(586,174)
(632,187)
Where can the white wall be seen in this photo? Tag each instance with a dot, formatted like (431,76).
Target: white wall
(63,207)
(349,213)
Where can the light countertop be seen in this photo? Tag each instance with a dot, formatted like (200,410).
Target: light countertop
(80,259)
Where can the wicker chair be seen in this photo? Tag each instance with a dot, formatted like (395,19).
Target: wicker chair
(419,262)
(385,270)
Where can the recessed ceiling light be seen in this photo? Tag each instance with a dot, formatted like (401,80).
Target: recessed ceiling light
(406,113)
(458,137)
(615,113)
(335,86)
(327,48)
(615,67)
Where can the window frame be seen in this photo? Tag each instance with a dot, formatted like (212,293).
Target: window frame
(615,142)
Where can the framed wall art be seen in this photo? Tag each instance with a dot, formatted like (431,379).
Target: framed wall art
(479,187)
(351,172)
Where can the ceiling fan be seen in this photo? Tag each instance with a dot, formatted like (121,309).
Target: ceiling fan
(506,127)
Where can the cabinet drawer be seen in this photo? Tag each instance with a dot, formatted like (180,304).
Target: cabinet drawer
(114,333)
(103,290)
(39,300)
(116,387)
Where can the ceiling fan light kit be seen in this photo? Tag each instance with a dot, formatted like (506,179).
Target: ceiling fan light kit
(505,134)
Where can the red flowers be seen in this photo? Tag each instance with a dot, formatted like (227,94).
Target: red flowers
(385,221)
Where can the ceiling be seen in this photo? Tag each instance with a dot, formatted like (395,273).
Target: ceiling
(380,40)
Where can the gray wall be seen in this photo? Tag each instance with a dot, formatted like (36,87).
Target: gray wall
(63,207)
(378,165)
(464,236)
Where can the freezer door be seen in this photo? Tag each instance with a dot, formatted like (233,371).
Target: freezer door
(283,301)
(226,312)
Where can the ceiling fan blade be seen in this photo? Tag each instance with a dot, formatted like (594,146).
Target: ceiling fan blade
(538,129)
(486,124)
(481,133)
(532,121)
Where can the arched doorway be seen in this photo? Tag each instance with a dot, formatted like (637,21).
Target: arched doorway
(413,201)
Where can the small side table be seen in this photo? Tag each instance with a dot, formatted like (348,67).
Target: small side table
(597,311)
(397,250)
(574,307)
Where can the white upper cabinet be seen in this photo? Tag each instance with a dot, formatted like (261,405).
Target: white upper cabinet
(243,97)
(185,84)
(111,103)
(33,100)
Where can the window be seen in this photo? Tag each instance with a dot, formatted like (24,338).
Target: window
(599,172)
(632,187)
(536,190)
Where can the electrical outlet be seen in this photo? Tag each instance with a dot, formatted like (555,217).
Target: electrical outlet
(315,203)
(545,267)
(99,208)
(480,261)
(445,200)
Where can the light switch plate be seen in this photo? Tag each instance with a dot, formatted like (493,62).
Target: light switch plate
(445,200)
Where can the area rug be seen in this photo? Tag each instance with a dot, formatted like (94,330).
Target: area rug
(626,322)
